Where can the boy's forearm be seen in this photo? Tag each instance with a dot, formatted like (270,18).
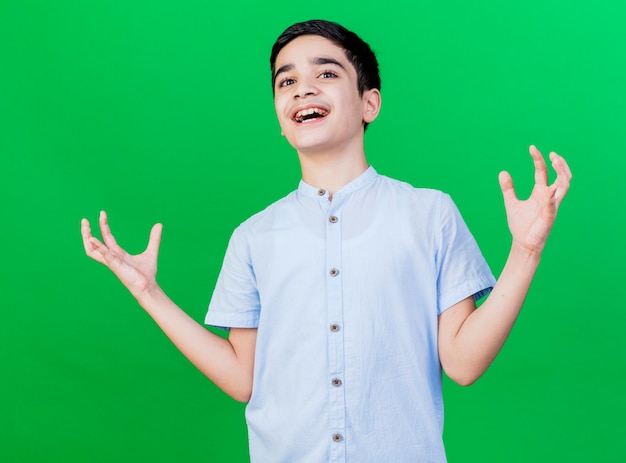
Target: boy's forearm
(213,355)
(485,330)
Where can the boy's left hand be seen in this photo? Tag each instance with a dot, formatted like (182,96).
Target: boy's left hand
(530,221)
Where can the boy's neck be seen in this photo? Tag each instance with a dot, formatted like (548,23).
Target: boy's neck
(332,171)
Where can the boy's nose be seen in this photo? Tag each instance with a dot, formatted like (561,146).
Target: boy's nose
(303,94)
(304,89)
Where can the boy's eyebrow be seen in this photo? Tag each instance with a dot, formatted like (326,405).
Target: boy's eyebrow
(285,68)
(318,61)
(315,61)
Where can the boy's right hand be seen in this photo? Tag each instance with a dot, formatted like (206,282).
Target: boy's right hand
(138,272)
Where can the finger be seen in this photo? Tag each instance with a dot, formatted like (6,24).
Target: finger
(564,175)
(155,239)
(105,255)
(567,169)
(506,185)
(560,166)
(541,170)
(88,240)
(85,231)
(552,197)
(105,231)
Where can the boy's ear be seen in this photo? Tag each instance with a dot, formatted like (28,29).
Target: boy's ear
(372,101)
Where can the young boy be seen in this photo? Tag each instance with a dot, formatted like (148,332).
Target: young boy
(346,298)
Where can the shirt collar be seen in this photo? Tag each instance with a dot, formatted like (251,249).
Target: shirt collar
(361,181)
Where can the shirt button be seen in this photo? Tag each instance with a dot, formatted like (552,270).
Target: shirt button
(333,219)
(321,192)
(334,272)
(334,327)
(337,437)
(336,382)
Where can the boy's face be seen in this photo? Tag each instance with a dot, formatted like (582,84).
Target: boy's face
(316,97)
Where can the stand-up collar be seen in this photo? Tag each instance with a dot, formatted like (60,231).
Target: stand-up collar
(363,180)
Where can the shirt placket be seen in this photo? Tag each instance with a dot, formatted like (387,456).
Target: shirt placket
(336,359)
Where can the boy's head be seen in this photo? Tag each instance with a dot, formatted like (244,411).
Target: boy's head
(357,51)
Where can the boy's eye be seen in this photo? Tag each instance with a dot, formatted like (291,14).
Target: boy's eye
(328,75)
(286,82)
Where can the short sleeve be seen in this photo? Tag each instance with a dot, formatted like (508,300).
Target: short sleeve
(462,269)
(235,302)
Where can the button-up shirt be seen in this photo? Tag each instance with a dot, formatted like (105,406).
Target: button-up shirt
(345,294)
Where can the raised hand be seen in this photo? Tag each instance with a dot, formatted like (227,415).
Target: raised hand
(136,272)
(530,221)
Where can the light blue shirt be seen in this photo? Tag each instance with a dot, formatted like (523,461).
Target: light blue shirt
(346,295)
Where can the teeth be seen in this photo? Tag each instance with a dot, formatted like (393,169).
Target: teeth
(307,112)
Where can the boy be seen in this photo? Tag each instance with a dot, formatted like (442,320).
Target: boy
(345,298)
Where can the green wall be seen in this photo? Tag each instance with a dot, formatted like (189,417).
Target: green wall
(162,111)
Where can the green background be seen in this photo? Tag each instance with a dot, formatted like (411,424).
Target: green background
(162,111)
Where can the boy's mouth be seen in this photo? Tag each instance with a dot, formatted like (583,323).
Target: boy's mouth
(309,114)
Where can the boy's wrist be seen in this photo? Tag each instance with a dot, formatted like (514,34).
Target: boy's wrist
(525,253)
(150,296)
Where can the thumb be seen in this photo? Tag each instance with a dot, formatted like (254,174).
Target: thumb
(155,239)
(506,185)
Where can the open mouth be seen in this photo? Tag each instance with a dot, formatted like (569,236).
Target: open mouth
(310,114)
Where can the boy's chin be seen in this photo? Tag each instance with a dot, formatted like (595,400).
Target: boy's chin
(312,149)
(309,144)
